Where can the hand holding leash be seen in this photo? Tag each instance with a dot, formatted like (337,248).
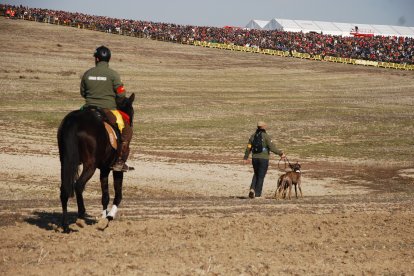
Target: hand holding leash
(284,158)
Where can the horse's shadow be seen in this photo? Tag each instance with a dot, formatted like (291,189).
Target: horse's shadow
(50,220)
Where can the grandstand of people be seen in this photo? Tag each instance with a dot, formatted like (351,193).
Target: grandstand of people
(374,45)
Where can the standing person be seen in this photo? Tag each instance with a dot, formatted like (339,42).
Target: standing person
(260,144)
(103,89)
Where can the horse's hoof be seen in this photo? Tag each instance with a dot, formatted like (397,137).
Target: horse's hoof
(102,224)
(54,227)
(66,229)
(81,223)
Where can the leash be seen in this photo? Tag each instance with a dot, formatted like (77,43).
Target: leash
(278,165)
(286,161)
(284,169)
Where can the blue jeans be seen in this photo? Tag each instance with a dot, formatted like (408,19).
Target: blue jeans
(260,169)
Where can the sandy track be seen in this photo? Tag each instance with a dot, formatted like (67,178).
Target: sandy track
(165,227)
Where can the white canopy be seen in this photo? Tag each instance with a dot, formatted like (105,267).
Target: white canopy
(329,28)
(256,24)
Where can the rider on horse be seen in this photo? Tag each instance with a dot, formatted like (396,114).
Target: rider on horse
(103,89)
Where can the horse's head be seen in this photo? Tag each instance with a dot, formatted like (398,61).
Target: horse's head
(127,107)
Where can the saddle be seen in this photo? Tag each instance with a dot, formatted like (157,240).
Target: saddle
(114,131)
(113,135)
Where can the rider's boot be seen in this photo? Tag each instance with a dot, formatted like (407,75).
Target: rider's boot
(120,165)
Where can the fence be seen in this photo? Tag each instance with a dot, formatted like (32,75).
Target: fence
(305,55)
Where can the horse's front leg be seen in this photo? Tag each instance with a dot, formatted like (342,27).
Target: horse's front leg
(118,178)
(105,191)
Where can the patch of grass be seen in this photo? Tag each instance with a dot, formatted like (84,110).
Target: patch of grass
(47,120)
(210,100)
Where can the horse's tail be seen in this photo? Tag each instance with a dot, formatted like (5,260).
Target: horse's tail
(69,156)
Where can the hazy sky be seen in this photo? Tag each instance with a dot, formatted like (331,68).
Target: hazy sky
(239,12)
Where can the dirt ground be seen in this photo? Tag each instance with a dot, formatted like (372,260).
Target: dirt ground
(192,217)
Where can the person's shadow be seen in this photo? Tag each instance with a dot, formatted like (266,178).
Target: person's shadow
(49,220)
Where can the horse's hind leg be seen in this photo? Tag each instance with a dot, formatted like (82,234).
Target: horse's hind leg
(87,173)
(64,200)
(118,178)
(105,191)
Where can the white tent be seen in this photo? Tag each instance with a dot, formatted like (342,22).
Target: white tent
(256,24)
(334,28)
(384,29)
(273,25)
(404,31)
(345,28)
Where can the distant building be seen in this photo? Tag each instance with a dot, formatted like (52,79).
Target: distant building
(331,28)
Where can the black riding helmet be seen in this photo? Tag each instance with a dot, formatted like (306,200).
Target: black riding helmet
(102,53)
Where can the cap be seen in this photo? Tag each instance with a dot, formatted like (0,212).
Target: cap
(261,124)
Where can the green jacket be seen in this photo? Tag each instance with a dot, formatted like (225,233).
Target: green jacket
(268,147)
(101,86)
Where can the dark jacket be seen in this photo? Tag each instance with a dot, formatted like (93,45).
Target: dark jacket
(101,86)
(268,147)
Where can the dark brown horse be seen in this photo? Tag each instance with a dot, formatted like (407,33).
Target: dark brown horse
(82,139)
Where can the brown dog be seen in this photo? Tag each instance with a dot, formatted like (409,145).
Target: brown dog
(288,179)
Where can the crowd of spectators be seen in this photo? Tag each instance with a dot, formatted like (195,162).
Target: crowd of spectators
(376,48)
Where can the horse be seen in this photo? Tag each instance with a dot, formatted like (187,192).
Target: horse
(83,139)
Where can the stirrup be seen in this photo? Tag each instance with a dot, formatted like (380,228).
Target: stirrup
(120,167)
